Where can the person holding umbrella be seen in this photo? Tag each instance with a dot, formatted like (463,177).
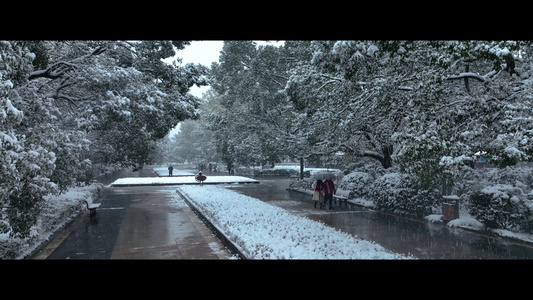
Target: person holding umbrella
(329,190)
(327,186)
(200,178)
(318,192)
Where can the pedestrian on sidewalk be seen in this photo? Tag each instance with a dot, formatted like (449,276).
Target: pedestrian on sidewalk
(329,190)
(318,192)
(170,168)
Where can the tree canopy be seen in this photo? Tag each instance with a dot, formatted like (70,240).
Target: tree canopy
(425,106)
(68,106)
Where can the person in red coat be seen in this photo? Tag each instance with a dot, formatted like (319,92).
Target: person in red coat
(318,192)
(329,190)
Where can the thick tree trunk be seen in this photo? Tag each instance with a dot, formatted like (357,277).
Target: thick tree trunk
(384,158)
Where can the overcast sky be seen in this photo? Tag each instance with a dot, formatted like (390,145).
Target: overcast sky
(200,52)
(203,52)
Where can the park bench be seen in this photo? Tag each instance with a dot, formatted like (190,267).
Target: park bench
(91,207)
(341,195)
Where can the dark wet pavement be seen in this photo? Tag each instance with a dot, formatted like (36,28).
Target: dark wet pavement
(137,223)
(420,239)
(144,223)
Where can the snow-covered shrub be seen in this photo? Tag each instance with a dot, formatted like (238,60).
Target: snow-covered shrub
(357,183)
(10,248)
(243,171)
(359,177)
(395,193)
(279,172)
(502,206)
(304,184)
(469,180)
(496,196)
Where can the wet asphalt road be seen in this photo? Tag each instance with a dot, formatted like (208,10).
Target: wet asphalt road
(137,223)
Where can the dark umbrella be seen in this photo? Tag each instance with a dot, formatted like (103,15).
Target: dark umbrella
(324,175)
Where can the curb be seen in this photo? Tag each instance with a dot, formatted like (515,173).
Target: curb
(42,251)
(225,241)
(46,247)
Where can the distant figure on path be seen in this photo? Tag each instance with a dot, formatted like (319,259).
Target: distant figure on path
(329,190)
(170,171)
(200,178)
(318,192)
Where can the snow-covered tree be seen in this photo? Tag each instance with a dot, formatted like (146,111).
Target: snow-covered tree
(193,143)
(25,163)
(124,95)
(253,127)
(417,102)
(477,101)
(67,105)
(357,89)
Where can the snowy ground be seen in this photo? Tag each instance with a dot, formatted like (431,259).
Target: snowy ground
(164,172)
(56,213)
(264,231)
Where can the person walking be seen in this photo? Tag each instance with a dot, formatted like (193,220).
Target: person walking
(318,192)
(170,168)
(200,178)
(329,190)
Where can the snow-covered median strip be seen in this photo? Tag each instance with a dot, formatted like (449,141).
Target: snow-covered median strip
(164,172)
(264,231)
(180,180)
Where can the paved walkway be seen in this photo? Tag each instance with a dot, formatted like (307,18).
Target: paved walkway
(148,222)
(137,223)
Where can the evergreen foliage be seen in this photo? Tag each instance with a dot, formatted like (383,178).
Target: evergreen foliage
(501,207)
(67,107)
(419,108)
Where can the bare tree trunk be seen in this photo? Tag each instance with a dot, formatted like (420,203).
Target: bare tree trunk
(301,168)
(384,157)
(387,160)
(467,85)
